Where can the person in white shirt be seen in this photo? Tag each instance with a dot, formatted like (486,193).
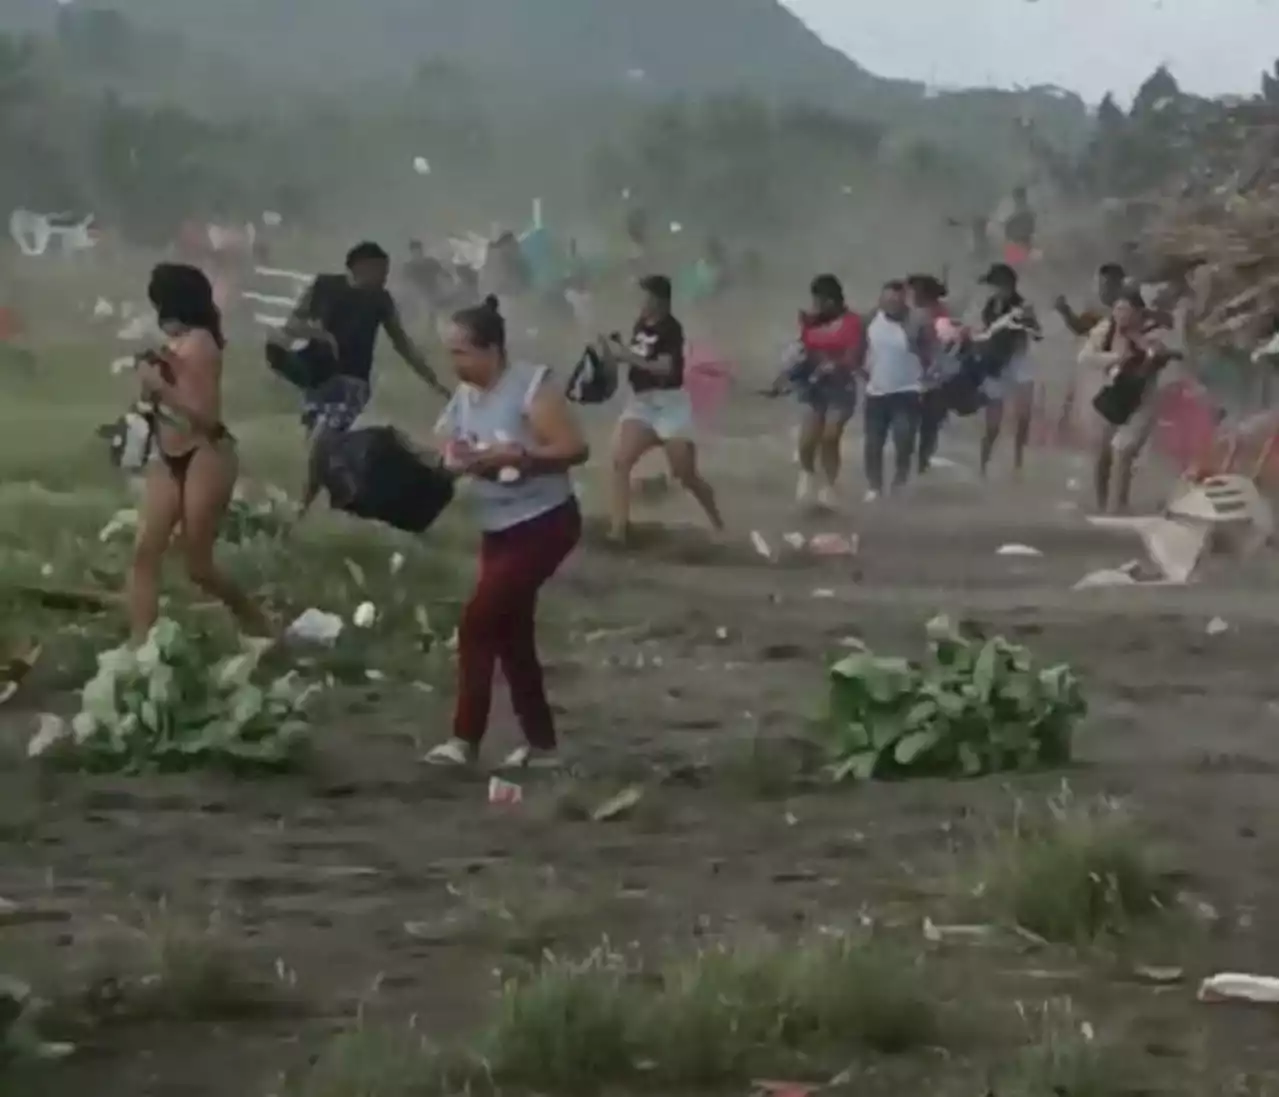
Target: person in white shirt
(898,352)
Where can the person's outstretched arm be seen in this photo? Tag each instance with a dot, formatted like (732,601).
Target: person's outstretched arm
(408,350)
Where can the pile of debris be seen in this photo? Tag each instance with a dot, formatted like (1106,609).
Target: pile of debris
(1219,223)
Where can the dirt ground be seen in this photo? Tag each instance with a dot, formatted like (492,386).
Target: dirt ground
(391,891)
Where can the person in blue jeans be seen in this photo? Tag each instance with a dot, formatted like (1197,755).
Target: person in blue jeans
(898,355)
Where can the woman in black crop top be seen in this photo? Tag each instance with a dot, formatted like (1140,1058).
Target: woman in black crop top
(659,413)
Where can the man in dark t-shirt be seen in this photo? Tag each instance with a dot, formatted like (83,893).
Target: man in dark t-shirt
(340,316)
(659,413)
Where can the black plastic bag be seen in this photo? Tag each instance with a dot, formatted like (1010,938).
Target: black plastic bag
(375,473)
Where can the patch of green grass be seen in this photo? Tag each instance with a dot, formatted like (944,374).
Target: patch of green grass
(172,968)
(710,1021)
(1065,1058)
(371,1061)
(1078,873)
(568,1027)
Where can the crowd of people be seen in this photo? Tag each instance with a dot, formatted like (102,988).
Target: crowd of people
(515,435)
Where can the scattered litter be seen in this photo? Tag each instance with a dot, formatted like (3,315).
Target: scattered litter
(397,562)
(122,364)
(761,545)
(676,228)
(722,633)
(504,792)
(365,615)
(421,165)
(1073,484)
(272,219)
(102,308)
(375,676)
(1234,987)
(822,592)
(1216,627)
(796,541)
(1162,976)
(617,806)
(936,933)
(314,626)
(355,571)
(1018,550)
(833,544)
(942,463)
(852,642)
(1108,577)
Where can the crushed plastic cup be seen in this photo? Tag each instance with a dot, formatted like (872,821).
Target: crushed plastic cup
(314,626)
(504,793)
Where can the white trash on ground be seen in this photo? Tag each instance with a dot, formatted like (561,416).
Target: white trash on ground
(1018,550)
(314,626)
(1230,986)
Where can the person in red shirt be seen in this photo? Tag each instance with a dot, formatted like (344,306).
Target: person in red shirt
(824,376)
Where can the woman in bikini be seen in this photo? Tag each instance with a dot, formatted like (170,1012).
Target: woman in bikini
(189,487)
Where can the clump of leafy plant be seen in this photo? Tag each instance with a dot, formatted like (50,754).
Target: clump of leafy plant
(973,705)
(172,704)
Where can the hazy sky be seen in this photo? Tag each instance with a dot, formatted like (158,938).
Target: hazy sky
(1089,46)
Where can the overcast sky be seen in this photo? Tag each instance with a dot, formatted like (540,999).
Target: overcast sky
(1089,46)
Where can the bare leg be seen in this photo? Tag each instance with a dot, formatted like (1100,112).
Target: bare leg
(205,495)
(632,441)
(1023,405)
(161,512)
(682,456)
(993,419)
(829,445)
(811,427)
(1102,471)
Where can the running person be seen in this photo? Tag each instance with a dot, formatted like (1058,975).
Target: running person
(658,413)
(826,382)
(516,436)
(1009,324)
(927,296)
(189,488)
(343,314)
(899,352)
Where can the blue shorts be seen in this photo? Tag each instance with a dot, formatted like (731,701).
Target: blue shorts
(666,412)
(335,405)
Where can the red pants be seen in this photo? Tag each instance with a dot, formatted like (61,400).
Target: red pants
(497,625)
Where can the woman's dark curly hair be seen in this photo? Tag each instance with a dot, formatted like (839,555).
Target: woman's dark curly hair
(182,294)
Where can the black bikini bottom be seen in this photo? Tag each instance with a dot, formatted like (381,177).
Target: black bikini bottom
(178,463)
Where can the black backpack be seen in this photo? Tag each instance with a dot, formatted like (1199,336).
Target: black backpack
(375,473)
(594,379)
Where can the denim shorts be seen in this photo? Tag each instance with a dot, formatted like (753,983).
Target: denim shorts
(829,393)
(666,412)
(336,404)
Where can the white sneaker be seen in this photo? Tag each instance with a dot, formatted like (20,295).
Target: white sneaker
(452,752)
(827,498)
(871,496)
(804,488)
(528,757)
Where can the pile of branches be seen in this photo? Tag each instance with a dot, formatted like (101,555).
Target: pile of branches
(1217,224)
